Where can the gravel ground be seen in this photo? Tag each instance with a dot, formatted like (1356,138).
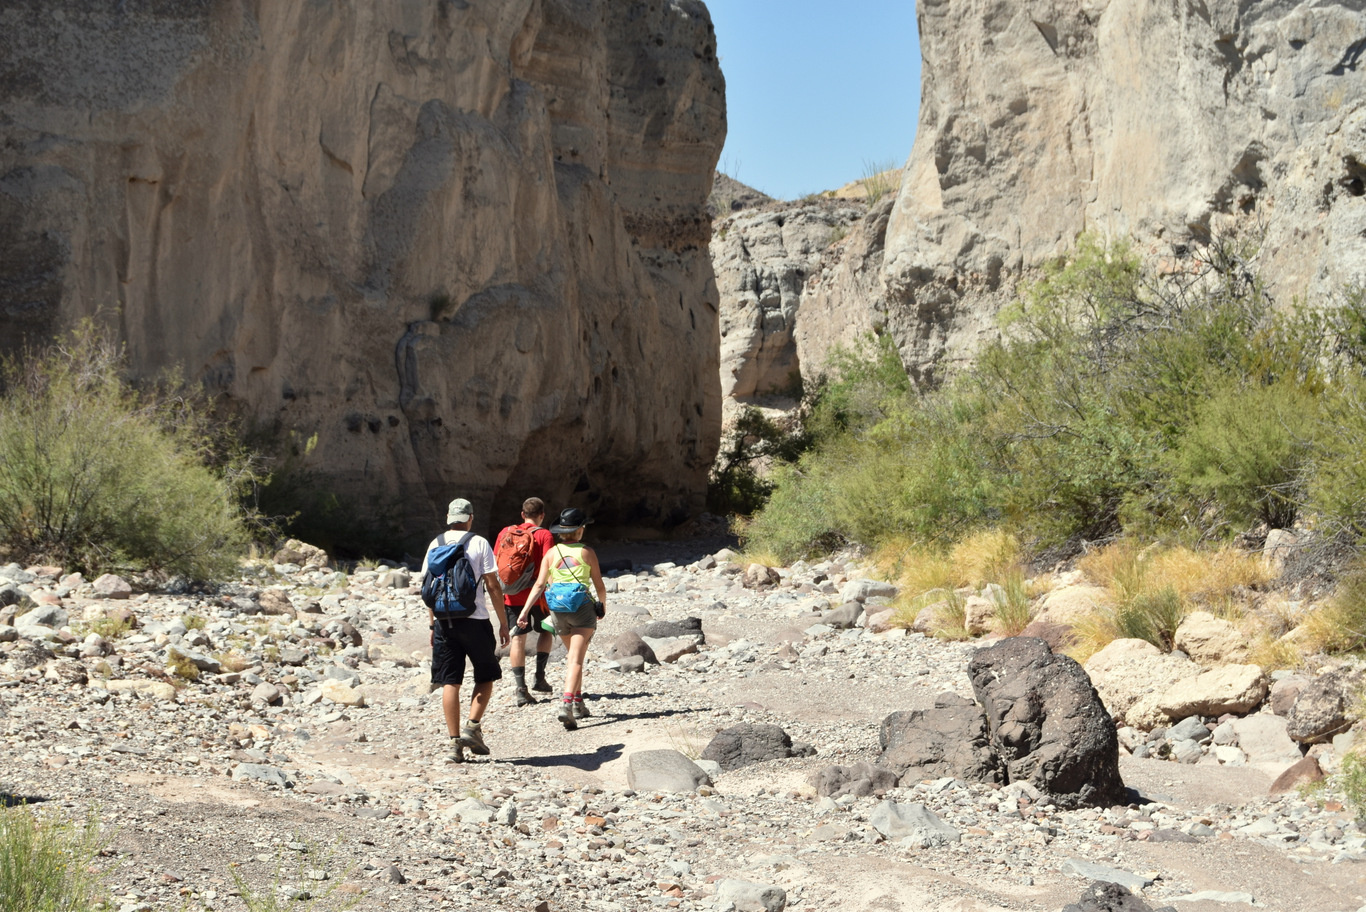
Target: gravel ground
(209,783)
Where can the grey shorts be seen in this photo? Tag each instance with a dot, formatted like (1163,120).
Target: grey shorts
(567,621)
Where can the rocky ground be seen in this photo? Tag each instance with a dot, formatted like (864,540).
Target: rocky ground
(309,758)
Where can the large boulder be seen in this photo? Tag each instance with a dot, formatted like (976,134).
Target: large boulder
(524,179)
(949,739)
(1323,707)
(1127,670)
(1210,640)
(1069,604)
(663,771)
(1223,689)
(1047,723)
(1264,739)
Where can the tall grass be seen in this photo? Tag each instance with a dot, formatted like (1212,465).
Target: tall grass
(47,863)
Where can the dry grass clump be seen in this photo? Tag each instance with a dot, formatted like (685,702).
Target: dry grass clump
(761,556)
(1340,625)
(951,617)
(989,556)
(1154,588)
(1273,653)
(1212,578)
(1012,604)
(915,567)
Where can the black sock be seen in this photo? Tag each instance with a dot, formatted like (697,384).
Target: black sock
(542,660)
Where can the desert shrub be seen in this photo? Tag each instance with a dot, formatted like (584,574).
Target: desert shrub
(1152,615)
(858,387)
(797,521)
(1121,399)
(1351,778)
(110,628)
(181,666)
(752,443)
(916,567)
(1337,476)
(1246,451)
(46,863)
(96,475)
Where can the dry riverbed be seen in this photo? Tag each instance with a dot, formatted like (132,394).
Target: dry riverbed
(209,781)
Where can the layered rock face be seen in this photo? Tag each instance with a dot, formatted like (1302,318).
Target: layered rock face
(1040,120)
(765,258)
(463,244)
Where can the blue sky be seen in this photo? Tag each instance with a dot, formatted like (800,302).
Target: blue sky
(815,91)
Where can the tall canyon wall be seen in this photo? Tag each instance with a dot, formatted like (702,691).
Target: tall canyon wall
(463,242)
(1041,119)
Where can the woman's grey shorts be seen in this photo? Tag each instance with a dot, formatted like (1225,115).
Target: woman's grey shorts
(567,621)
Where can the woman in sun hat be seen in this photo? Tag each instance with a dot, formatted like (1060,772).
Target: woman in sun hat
(567,572)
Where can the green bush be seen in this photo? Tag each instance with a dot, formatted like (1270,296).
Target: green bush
(46,864)
(1120,400)
(736,485)
(1246,451)
(96,476)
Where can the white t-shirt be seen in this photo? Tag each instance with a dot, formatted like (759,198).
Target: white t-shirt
(481,559)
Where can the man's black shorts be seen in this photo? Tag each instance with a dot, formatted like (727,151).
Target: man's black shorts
(454,640)
(533,625)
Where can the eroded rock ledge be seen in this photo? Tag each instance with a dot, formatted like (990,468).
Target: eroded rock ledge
(463,244)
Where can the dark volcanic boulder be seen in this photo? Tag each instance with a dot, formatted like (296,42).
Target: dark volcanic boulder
(948,740)
(741,745)
(1111,897)
(1047,723)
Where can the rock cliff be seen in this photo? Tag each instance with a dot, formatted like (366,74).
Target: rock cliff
(1040,120)
(463,243)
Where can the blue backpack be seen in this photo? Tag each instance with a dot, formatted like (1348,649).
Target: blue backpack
(450,584)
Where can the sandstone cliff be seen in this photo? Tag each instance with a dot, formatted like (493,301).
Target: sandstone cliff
(463,243)
(1041,119)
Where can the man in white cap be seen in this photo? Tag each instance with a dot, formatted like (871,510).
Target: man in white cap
(456,639)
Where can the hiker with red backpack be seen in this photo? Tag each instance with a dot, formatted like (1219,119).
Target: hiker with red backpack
(518,550)
(460,587)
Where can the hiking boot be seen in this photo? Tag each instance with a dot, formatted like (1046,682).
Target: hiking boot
(524,697)
(542,685)
(473,738)
(457,754)
(566,717)
(581,710)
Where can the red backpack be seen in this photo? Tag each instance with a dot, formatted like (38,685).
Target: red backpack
(516,566)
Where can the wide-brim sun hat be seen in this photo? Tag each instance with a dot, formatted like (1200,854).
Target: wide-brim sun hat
(571,518)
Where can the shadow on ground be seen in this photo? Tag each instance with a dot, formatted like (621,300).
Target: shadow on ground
(9,800)
(599,758)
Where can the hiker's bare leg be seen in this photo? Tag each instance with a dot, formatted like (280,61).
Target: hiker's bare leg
(450,704)
(479,701)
